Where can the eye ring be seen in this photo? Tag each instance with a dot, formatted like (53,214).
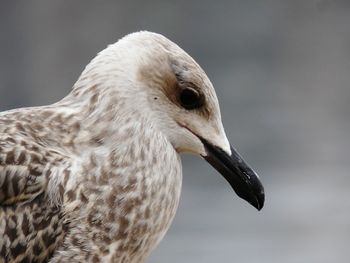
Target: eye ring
(190,99)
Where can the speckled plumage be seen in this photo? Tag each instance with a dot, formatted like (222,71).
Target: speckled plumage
(96,177)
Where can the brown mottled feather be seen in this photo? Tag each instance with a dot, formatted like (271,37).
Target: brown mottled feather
(31,227)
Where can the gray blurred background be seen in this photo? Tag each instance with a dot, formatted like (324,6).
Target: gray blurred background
(282,74)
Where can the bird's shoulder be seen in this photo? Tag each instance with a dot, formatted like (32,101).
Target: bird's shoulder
(31,224)
(26,160)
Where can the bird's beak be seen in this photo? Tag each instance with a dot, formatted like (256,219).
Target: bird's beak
(244,181)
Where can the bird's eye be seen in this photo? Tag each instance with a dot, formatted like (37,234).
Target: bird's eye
(190,99)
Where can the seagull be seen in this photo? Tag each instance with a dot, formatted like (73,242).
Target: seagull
(96,177)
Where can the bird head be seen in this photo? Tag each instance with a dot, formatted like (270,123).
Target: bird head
(181,101)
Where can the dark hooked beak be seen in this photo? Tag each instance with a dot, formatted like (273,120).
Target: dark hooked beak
(244,181)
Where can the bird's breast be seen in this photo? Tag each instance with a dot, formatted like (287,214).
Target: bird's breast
(125,204)
(148,212)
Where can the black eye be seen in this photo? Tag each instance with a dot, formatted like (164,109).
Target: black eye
(190,99)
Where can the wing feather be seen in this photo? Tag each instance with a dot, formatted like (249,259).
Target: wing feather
(31,226)
(22,176)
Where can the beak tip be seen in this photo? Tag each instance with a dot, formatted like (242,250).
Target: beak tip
(254,194)
(255,197)
(259,201)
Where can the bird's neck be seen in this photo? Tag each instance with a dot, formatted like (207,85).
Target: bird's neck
(130,179)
